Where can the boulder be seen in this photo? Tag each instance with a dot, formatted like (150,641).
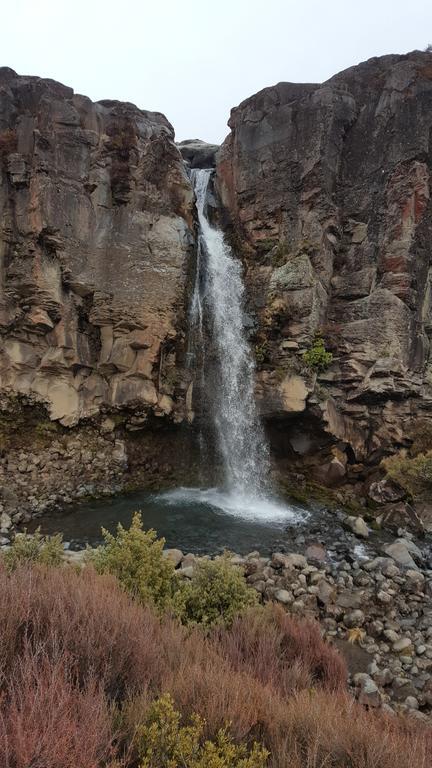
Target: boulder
(292,560)
(175,555)
(400,553)
(358,526)
(197,153)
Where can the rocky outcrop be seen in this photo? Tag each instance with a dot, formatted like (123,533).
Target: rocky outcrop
(96,216)
(326,190)
(197,153)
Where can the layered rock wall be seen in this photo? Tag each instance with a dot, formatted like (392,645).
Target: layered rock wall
(326,189)
(96,217)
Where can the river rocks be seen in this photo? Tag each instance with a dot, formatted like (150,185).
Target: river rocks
(288,561)
(283,596)
(378,614)
(358,526)
(354,619)
(368,692)
(5,522)
(400,552)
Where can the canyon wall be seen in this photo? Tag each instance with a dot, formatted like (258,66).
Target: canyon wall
(325,194)
(96,215)
(326,190)
(96,249)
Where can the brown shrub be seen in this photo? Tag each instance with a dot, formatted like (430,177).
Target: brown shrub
(321,730)
(46,721)
(74,641)
(282,651)
(87,617)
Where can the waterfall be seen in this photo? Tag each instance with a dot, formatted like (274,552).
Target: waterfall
(219,297)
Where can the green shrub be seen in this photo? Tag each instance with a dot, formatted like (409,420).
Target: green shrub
(162,742)
(34,548)
(135,557)
(216,594)
(317,358)
(261,352)
(413,474)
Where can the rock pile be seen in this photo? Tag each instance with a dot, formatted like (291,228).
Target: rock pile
(377,611)
(79,466)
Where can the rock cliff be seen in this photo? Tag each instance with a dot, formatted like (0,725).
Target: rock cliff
(326,190)
(96,214)
(325,193)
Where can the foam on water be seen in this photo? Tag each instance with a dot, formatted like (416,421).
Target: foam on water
(236,504)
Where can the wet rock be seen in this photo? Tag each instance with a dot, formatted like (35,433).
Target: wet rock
(197,153)
(400,552)
(316,552)
(358,526)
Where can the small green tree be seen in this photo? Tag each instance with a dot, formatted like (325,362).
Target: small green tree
(34,548)
(135,557)
(163,742)
(216,594)
(317,358)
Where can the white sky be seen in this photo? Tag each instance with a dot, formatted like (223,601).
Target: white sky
(193,59)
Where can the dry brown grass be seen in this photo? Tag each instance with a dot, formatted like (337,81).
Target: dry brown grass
(73,644)
(46,721)
(282,651)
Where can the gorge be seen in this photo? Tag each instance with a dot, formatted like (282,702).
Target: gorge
(321,192)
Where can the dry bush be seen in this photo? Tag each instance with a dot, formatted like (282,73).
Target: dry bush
(89,618)
(47,722)
(321,730)
(282,651)
(79,628)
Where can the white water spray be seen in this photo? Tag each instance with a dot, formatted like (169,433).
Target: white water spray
(217,306)
(238,429)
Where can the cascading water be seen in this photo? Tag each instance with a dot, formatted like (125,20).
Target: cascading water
(238,429)
(217,303)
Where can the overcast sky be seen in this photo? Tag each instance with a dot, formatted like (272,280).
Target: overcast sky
(195,59)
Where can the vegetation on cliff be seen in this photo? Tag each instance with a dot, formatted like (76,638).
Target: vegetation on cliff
(316,357)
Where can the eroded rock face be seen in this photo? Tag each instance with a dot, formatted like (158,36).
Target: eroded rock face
(95,240)
(327,189)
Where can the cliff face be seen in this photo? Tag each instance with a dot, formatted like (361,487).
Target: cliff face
(326,193)
(327,190)
(95,240)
